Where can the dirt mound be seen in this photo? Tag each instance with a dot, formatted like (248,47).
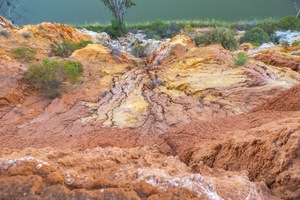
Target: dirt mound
(286,101)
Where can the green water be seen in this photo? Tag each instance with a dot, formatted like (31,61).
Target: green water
(89,11)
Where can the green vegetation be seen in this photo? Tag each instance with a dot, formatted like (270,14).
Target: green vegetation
(53,77)
(285,44)
(24,54)
(295,43)
(289,23)
(157,29)
(188,29)
(65,49)
(223,36)
(118,9)
(240,59)
(139,50)
(161,25)
(269,28)
(258,30)
(116,29)
(256,36)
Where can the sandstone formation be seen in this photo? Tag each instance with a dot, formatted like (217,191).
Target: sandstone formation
(183,123)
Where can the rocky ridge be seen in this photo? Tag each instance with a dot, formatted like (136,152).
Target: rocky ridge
(234,129)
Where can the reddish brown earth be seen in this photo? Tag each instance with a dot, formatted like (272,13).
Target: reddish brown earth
(285,58)
(184,125)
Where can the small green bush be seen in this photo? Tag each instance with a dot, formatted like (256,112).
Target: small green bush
(199,39)
(255,36)
(151,34)
(139,50)
(240,59)
(116,29)
(274,38)
(223,36)
(238,27)
(53,77)
(65,49)
(24,54)
(157,28)
(289,23)
(295,43)
(173,29)
(269,28)
(285,44)
(188,28)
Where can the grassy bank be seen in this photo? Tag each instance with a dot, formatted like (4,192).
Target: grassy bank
(98,27)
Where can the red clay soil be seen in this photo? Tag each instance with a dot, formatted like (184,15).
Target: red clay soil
(93,136)
(288,100)
(183,139)
(284,105)
(265,142)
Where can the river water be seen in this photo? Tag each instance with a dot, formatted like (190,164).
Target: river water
(90,11)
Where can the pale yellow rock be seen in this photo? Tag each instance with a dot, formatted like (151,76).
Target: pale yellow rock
(132,113)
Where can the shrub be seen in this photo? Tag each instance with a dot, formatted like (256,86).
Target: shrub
(139,50)
(173,29)
(65,49)
(24,54)
(52,76)
(255,36)
(285,44)
(199,39)
(295,43)
(223,36)
(188,28)
(159,28)
(240,59)
(116,29)
(274,39)
(151,34)
(289,23)
(238,27)
(269,28)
